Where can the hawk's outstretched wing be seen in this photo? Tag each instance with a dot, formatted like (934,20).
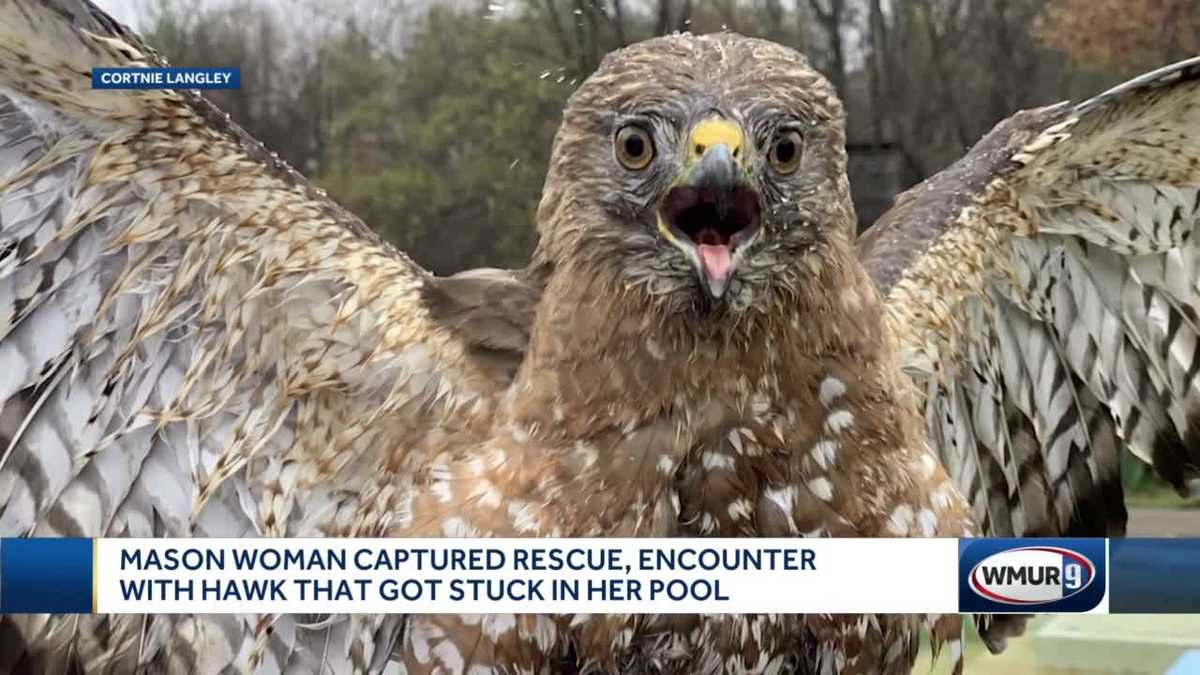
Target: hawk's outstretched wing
(194,341)
(1046,292)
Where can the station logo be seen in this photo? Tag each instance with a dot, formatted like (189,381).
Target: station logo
(1031,575)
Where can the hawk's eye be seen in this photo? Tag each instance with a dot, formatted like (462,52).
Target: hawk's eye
(634,147)
(785,151)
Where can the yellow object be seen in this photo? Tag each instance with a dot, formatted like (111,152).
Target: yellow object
(716,131)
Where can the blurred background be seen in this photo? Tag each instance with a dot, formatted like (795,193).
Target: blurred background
(432,120)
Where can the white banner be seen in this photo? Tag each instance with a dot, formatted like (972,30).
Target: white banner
(441,576)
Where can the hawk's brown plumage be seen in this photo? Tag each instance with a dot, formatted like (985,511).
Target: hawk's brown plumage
(203,344)
(824,434)
(1045,293)
(625,338)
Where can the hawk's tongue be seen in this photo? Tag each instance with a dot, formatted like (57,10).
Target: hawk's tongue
(716,261)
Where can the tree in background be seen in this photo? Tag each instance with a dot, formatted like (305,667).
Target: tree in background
(433,120)
(1126,35)
(281,107)
(445,150)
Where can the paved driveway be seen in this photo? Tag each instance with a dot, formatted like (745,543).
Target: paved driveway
(1144,522)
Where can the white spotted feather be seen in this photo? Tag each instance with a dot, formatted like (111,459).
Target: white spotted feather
(194,342)
(1046,295)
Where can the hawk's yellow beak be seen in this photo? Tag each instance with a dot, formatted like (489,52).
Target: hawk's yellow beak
(713,132)
(711,213)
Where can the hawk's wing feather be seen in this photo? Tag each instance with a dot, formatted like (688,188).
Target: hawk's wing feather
(1046,294)
(192,337)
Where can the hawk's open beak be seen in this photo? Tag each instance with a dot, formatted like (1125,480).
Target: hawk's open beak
(711,213)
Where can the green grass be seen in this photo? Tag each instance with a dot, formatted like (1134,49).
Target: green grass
(1158,496)
(1144,489)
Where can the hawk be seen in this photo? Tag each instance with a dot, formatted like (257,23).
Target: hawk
(196,342)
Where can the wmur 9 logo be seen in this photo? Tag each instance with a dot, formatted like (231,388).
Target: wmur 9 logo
(1031,575)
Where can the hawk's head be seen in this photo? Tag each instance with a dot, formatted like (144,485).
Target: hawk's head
(701,169)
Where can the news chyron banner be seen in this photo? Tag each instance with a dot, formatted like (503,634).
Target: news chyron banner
(438,576)
(569,576)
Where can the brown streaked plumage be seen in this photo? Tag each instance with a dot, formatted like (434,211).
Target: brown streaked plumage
(203,344)
(821,432)
(1044,293)
(1083,209)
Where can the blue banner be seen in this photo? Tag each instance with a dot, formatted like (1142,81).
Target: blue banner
(166,78)
(1031,575)
(52,576)
(1154,576)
